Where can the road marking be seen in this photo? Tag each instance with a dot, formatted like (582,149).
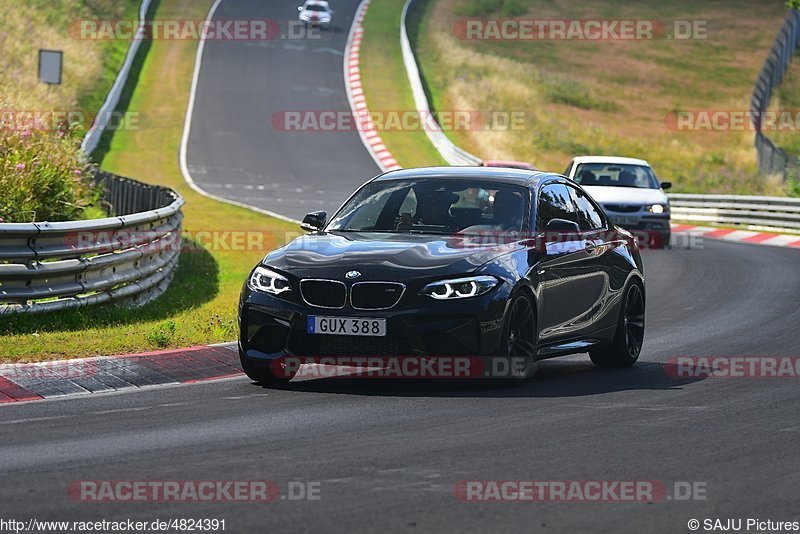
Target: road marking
(33,419)
(187,127)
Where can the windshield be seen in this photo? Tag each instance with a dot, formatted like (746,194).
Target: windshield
(614,174)
(316,7)
(434,206)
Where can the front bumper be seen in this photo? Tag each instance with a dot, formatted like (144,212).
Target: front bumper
(271,327)
(641,222)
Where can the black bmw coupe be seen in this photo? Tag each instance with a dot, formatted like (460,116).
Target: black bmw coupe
(489,263)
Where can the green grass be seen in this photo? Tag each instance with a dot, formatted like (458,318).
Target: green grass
(787,98)
(200,304)
(611,98)
(385,84)
(113,53)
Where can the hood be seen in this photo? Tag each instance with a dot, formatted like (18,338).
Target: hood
(625,195)
(384,256)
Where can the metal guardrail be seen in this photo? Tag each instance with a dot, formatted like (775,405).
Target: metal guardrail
(771,158)
(131,256)
(92,137)
(751,212)
(449,151)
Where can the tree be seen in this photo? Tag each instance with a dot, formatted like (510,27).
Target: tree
(793,4)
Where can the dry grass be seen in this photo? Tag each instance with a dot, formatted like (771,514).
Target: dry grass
(28,25)
(610,97)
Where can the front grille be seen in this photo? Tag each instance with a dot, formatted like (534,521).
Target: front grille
(313,345)
(375,295)
(324,293)
(622,208)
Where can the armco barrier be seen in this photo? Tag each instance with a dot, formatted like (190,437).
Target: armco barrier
(752,212)
(771,158)
(449,151)
(92,137)
(131,256)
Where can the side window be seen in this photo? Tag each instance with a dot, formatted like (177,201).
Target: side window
(554,203)
(588,217)
(409,204)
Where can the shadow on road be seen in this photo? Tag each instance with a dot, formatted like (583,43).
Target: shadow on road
(554,379)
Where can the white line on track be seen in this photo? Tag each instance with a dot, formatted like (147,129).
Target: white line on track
(187,126)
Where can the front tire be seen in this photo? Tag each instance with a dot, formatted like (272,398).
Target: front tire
(624,349)
(261,372)
(520,335)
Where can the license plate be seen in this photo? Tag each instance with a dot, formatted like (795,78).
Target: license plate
(622,221)
(346,326)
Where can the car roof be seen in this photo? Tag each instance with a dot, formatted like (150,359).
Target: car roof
(322,3)
(490,174)
(610,159)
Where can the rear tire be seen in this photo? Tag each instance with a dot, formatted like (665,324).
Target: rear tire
(624,349)
(261,372)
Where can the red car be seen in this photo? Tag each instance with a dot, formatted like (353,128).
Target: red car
(511,164)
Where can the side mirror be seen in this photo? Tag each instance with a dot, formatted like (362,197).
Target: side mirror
(666,185)
(314,221)
(557,229)
(299,8)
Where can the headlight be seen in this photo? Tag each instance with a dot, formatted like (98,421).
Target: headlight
(459,288)
(267,280)
(657,208)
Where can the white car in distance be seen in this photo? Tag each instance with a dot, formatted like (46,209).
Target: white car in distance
(315,13)
(629,192)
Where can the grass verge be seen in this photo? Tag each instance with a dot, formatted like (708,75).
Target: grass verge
(610,97)
(90,65)
(385,84)
(200,304)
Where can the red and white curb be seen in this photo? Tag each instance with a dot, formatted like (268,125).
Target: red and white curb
(355,95)
(739,236)
(21,382)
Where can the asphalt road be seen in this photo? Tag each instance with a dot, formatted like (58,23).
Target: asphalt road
(386,454)
(237,146)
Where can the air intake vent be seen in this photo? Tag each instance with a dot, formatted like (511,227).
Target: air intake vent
(324,293)
(622,208)
(375,295)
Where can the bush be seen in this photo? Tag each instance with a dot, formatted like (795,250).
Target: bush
(44,176)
